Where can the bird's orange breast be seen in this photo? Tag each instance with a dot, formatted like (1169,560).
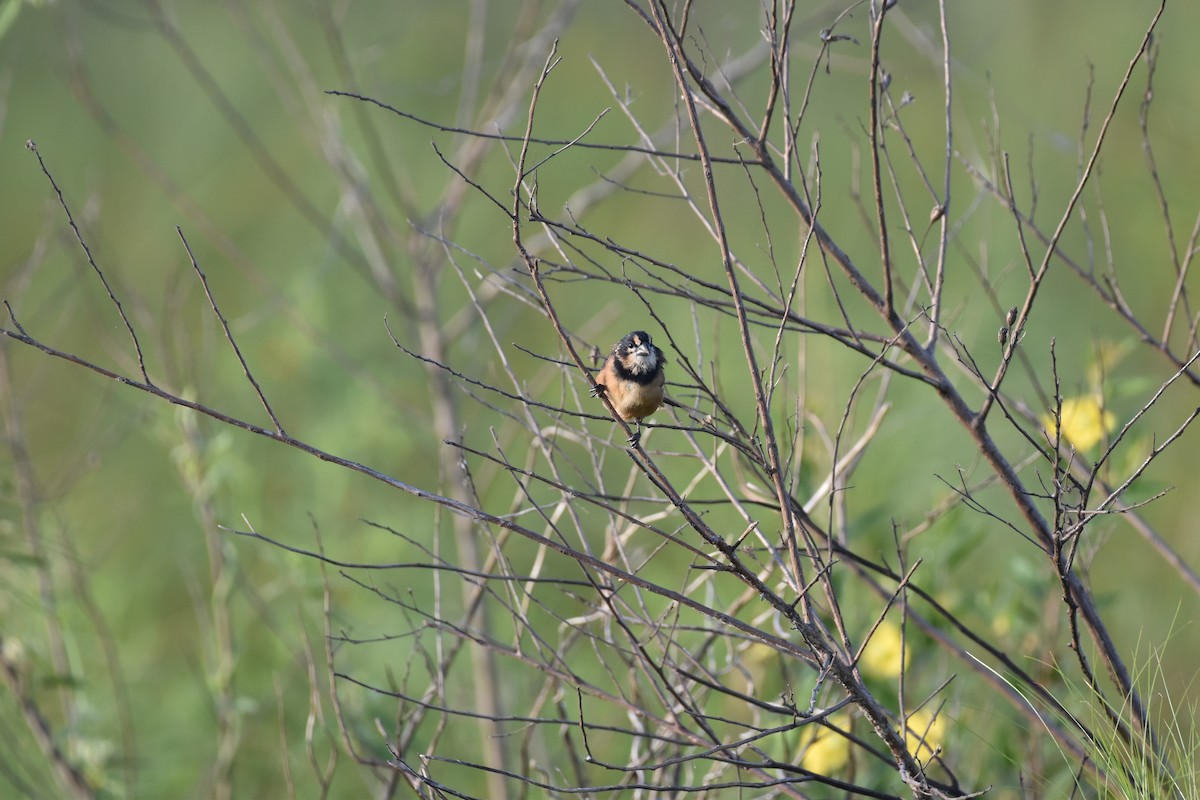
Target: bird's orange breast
(637,401)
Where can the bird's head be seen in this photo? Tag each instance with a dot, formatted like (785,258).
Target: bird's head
(637,353)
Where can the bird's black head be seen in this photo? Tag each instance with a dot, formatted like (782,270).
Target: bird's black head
(638,356)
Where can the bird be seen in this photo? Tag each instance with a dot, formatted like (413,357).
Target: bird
(632,379)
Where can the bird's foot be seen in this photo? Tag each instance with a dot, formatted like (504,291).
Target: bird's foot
(636,437)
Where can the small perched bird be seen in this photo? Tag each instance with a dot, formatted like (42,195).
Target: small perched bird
(632,379)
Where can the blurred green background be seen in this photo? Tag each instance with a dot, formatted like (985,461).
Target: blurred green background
(213,118)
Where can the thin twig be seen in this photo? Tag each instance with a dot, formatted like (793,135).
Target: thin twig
(87,251)
(212,302)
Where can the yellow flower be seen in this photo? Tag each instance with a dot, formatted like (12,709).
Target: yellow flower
(925,734)
(883,656)
(1084,421)
(823,751)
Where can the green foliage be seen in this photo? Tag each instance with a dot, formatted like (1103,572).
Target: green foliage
(172,651)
